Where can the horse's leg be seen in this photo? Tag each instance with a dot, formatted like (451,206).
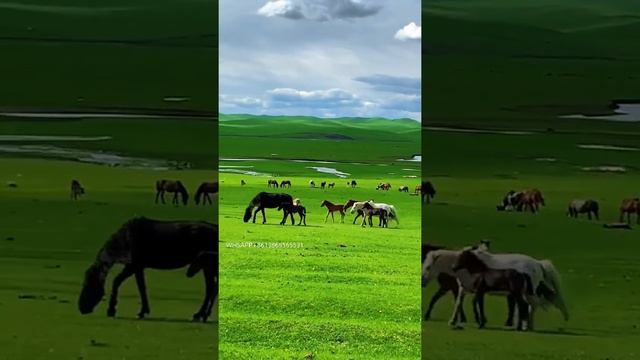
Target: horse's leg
(157,195)
(264,217)
(284,217)
(117,281)
(341,216)
(462,315)
(254,214)
(511,305)
(327,217)
(458,307)
(333,220)
(202,314)
(440,293)
(142,288)
(293,221)
(476,309)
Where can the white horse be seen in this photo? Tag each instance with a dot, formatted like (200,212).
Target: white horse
(542,273)
(390,210)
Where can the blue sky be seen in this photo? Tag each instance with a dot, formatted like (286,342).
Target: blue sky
(326,58)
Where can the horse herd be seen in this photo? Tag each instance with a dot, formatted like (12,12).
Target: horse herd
(532,199)
(526,282)
(175,187)
(290,206)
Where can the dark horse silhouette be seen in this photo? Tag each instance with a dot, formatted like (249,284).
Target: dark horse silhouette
(171,186)
(146,243)
(265,200)
(76,189)
(428,191)
(290,209)
(204,190)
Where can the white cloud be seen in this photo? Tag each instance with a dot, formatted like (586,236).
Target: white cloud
(322,99)
(284,8)
(410,31)
(241,101)
(319,10)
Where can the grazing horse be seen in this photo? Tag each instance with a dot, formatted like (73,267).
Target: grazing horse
(510,201)
(383,186)
(331,208)
(174,187)
(265,200)
(323,185)
(272,183)
(285,183)
(204,190)
(331,185)
(403,188)
(531,199)
(290,209)
(589,207)
(352,183)
(428,191)
(516,284)
(312,184)
(146,243)
(76,189)
(629,207)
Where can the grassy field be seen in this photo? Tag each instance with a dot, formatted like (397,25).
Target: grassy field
(519,66)
(333,291)
(47,241)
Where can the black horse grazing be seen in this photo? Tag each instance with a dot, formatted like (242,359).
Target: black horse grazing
(516,284)
(265,200)
(352,183)
(428,191)
(577,207)
(204,190)
(145,243)
(171,186)
(290,209)
(76,189)
(285,183)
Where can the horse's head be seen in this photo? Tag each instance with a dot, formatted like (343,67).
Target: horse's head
(469,261)
(92,289)
(247,213)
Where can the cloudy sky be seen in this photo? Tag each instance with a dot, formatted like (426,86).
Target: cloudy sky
(324,58)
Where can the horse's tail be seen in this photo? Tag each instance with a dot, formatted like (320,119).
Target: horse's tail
(552,277)
(428,270)
(394,214)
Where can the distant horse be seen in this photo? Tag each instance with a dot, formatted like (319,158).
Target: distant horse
(323,185)
(312,184)
(403,188)
(285,183)
(171,186)
(588,207)
(145,243)
(383,186)
(205,189)
(514,283)
(331,208)
(332,185)
(265,200)
(428,191)
(272,183)
(76,189)
(531,199)
(629,207)
(290,209)
(352,183)
(242,183)
(349,204)
(511,200)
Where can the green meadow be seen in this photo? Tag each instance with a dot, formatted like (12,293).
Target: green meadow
(47,241)
(325,290)
(519,68)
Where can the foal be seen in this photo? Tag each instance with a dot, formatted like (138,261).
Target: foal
(511,281)
(331,208)
(290,209)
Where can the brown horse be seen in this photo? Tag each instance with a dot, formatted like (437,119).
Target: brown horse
(205,189)
(348,206)
(383,186)
(629,207)
(331,208)
(76,189)
(531,199)
(171,186)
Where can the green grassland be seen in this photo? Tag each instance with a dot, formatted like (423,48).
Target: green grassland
(345,292)
(519,66)
(47,241)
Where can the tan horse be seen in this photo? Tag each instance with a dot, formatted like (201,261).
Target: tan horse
(171,186)
(331,208)
(76,189)
(204,190)
(629,207)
